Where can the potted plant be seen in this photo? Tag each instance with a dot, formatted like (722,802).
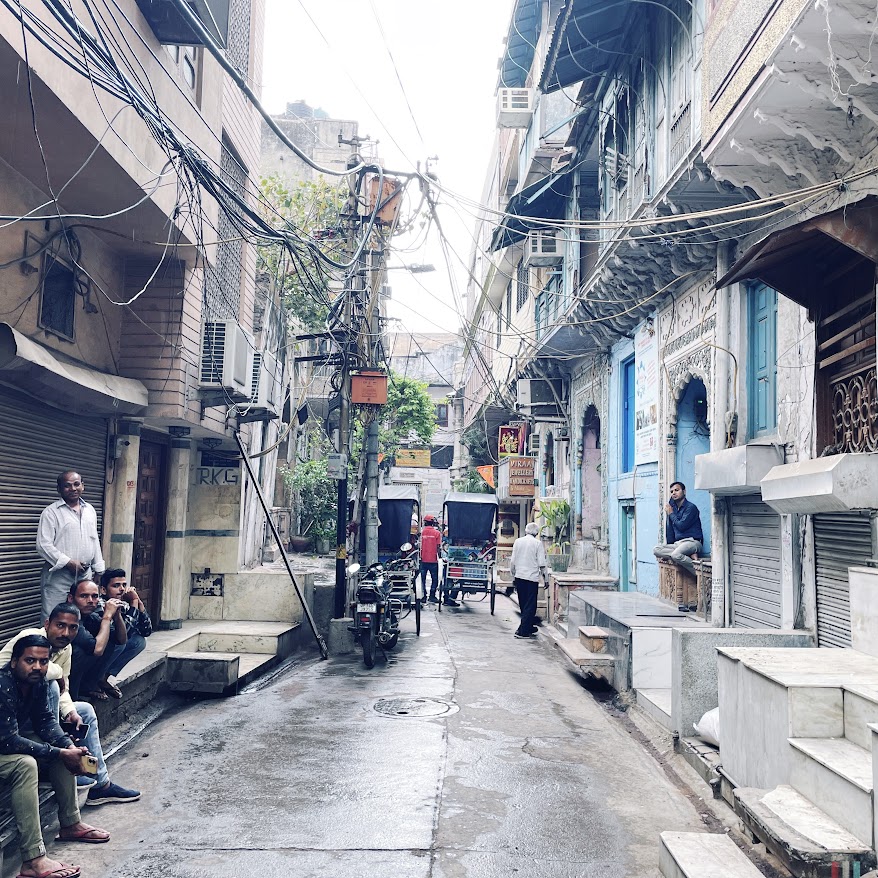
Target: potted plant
(556,514)
(317,504)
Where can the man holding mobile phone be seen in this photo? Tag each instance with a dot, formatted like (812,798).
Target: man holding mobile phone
(30,737)
(682,530)
(78,717)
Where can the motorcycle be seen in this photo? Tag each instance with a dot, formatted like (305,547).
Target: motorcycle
(377,613)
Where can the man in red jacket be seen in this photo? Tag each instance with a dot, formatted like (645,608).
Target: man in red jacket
(431,540)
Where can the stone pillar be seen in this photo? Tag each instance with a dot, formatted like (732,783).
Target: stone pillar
(127,449)
(864,609)
(790,575)
(175,574)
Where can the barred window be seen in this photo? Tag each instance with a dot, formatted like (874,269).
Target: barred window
(509,303)
(222,289)
(522,285)
(238,46)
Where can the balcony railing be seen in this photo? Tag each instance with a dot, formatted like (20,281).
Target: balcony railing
(855,412)
(681,135)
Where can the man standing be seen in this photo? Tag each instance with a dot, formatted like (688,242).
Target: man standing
(67,540)
(60,631)
(30,736)
(431,539)
(682,530)
(98,642)
(527,564)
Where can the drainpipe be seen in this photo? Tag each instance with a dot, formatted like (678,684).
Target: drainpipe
(720,603)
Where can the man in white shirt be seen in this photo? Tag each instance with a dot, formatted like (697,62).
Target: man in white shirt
(67,540)
(527,564)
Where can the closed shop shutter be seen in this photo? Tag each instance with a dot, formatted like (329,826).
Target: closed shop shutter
(38,442)
(841,540)
(755,564)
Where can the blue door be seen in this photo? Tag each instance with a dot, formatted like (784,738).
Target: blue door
(628,416)
(762,378)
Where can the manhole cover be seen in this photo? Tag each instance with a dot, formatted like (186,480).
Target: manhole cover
(415,707)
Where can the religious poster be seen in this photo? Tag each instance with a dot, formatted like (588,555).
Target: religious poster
(511,440)
(646,396)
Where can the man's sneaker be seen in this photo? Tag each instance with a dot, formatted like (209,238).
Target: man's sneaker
(432,599)
(111,793)
(450,602)
(530,636)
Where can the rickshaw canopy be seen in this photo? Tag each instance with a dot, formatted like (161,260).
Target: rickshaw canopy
(396,505)
(470,517)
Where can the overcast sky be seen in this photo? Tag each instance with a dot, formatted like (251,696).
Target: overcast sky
(446,56)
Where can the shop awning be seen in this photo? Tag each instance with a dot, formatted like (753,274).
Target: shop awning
(524,29)
(42,373)
(586,42)
(544,200)
(801,260)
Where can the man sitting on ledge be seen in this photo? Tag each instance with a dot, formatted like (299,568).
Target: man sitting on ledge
(682,530)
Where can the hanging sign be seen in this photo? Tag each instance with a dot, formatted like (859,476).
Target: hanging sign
(646,396)
(487,473)
(369,388)
(413,457)
(511,440)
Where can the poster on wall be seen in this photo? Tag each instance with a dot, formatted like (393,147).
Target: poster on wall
(646,396)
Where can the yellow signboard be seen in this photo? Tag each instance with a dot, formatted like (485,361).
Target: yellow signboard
(413,457)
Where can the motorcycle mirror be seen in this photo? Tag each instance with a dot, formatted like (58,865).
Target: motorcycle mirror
(353,568)
(405,547)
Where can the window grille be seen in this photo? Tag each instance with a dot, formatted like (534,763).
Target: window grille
(522,285)
(238,46)
(222,290)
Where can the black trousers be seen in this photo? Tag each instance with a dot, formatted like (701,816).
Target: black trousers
(527,602)
(433,569)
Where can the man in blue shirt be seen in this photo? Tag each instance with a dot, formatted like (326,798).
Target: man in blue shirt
(682,530)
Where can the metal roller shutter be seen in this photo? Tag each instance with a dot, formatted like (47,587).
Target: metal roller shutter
(755,564)
(37,442)
(841,540)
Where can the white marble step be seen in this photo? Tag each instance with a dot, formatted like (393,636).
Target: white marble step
(583,658)
(860,709)
(657,703)
(701,855)
(836,774)
(796,831)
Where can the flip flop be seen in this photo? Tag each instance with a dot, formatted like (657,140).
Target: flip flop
(112,690)
(64,871)
(88,835)
(97,695)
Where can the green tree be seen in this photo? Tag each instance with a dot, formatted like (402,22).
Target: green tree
(317,494)
(312,209)
(472,483)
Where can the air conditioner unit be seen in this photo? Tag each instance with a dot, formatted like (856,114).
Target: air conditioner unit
(226,359)
(533,444)
(515,107)
(539,398)
(544,247)
(561,433)
(266,383)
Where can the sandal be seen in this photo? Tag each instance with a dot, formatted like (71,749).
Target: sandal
(97,695)
(111,689)
(88,834)
(63,871)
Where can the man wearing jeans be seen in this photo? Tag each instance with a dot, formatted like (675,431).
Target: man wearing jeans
(30,736)
(527,564)
(682,530)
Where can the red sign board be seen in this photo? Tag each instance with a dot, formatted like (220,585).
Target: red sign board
(369,388)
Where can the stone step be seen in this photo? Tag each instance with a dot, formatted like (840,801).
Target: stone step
(593,638)
(584,659)
(701,855)
(806,840)
(860,709)
(656,703)
(215,673)
(837,774)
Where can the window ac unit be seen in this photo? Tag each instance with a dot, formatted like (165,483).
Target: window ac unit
(561,433)
(537,397)
(533,444)
(226,359)
(544,247)
(266,383)
(515,107)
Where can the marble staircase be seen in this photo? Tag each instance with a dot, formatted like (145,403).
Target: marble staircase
(589,653)
(703,855)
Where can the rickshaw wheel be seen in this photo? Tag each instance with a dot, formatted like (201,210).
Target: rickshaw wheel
(493,595)
(418,616)
(392,642)
(368,648)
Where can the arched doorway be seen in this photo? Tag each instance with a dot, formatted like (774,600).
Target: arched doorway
(693,438)
(591,474)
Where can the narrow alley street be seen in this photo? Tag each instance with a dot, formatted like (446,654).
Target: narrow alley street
(523,773)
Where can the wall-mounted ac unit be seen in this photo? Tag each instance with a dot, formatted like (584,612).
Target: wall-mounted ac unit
(544,247)
(266,383)
(562,434)
(539,398)
(226,359)
(515,106)
(533,444)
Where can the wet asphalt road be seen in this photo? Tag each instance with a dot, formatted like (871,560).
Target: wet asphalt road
(527,777)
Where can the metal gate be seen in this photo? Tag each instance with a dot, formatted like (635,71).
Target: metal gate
(841,540)
(37,443)
(755,564)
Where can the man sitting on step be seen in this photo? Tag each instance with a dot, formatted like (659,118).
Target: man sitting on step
(79,716)
(683,533)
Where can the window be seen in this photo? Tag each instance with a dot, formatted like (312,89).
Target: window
(238,47)
(522,285)
(441,414)
(58,298)
(628,416)
(508,304)
(189,66)
(762,374)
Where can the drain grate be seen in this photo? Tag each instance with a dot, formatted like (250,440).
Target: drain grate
(417,707)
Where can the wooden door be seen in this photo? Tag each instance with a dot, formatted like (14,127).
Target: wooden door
(148,526)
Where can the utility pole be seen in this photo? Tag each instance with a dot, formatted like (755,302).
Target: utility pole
(372,432)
